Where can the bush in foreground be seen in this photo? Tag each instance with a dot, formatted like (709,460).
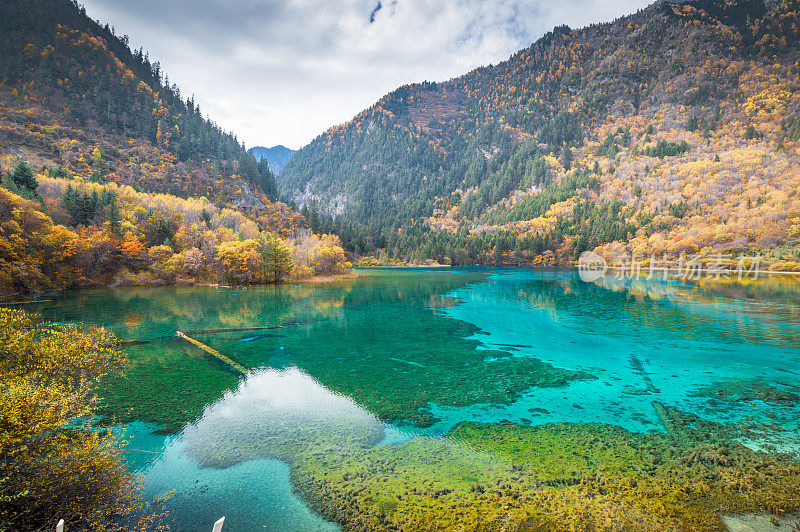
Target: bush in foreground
(54,462)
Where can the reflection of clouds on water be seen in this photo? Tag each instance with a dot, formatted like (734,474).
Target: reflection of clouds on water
(278,413)
(224,463)
(256,494)
(637,286)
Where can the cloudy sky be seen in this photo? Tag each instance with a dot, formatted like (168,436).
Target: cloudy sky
(282,72)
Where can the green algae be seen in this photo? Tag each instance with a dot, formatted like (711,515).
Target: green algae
(283,414)
(500,476)
(399,355)
(396,355)
(552,477)
(749,390)
(167,385)
(425,484)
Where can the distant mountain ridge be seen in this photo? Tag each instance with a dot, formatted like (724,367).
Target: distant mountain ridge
(671,130)
(276,156)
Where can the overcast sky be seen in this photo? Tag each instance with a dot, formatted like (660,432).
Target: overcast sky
(282,72)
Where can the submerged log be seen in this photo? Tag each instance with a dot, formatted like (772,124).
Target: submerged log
(243,329)
(128,343)
(238,367)
(638,367)
(671,425)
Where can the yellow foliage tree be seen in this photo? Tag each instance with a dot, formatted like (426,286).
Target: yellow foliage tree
(240,262)
(329,256)
(54,463)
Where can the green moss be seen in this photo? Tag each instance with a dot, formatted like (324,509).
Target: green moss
(751,390)
(558,476)
(291,440)
(167,384)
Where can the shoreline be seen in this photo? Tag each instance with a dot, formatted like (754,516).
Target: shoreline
(403,265)
(713,273)
(23,298)
(10,298)
(320,279)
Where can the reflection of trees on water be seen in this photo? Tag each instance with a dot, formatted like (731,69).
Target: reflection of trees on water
(138,312)
(784,289)
(394,354)
(343,333)
(136,309)
(688,311)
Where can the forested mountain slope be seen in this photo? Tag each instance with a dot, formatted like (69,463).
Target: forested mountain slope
(671,130)
(73,91)
(108,176)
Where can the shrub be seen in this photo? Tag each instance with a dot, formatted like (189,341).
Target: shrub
(787,266)
(51,466)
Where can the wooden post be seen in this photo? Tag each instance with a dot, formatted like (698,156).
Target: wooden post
(218,525)
(60,526)
(238,367)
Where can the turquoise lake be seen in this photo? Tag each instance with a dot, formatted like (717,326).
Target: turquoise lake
(396,356)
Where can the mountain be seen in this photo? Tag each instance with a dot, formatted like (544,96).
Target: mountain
(108,176)
(71,86)
(276,156)
(672,130)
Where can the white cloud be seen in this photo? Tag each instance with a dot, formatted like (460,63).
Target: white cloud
(283,72)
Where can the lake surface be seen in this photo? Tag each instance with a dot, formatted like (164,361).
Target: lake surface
(375,377)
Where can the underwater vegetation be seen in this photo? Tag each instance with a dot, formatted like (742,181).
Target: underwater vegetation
(391,350)
(167,388)
(282,414)
(683,480)
(751,390)
(330,365)
(552,477)
(395,353)
(494,476)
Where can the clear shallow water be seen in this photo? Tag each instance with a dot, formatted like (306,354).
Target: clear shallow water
(645,341)
(251,495)
(398,353)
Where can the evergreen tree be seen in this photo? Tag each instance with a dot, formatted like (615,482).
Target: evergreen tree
(206,217)
(23,177)
(566,158)
(114,219)
(81,207)
(277,258)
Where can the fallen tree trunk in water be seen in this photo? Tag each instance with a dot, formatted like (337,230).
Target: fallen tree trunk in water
(235,365)
(244,329)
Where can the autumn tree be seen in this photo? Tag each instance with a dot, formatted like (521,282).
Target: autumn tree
(329,257)
(34,254)
(50,466)
(240,262)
